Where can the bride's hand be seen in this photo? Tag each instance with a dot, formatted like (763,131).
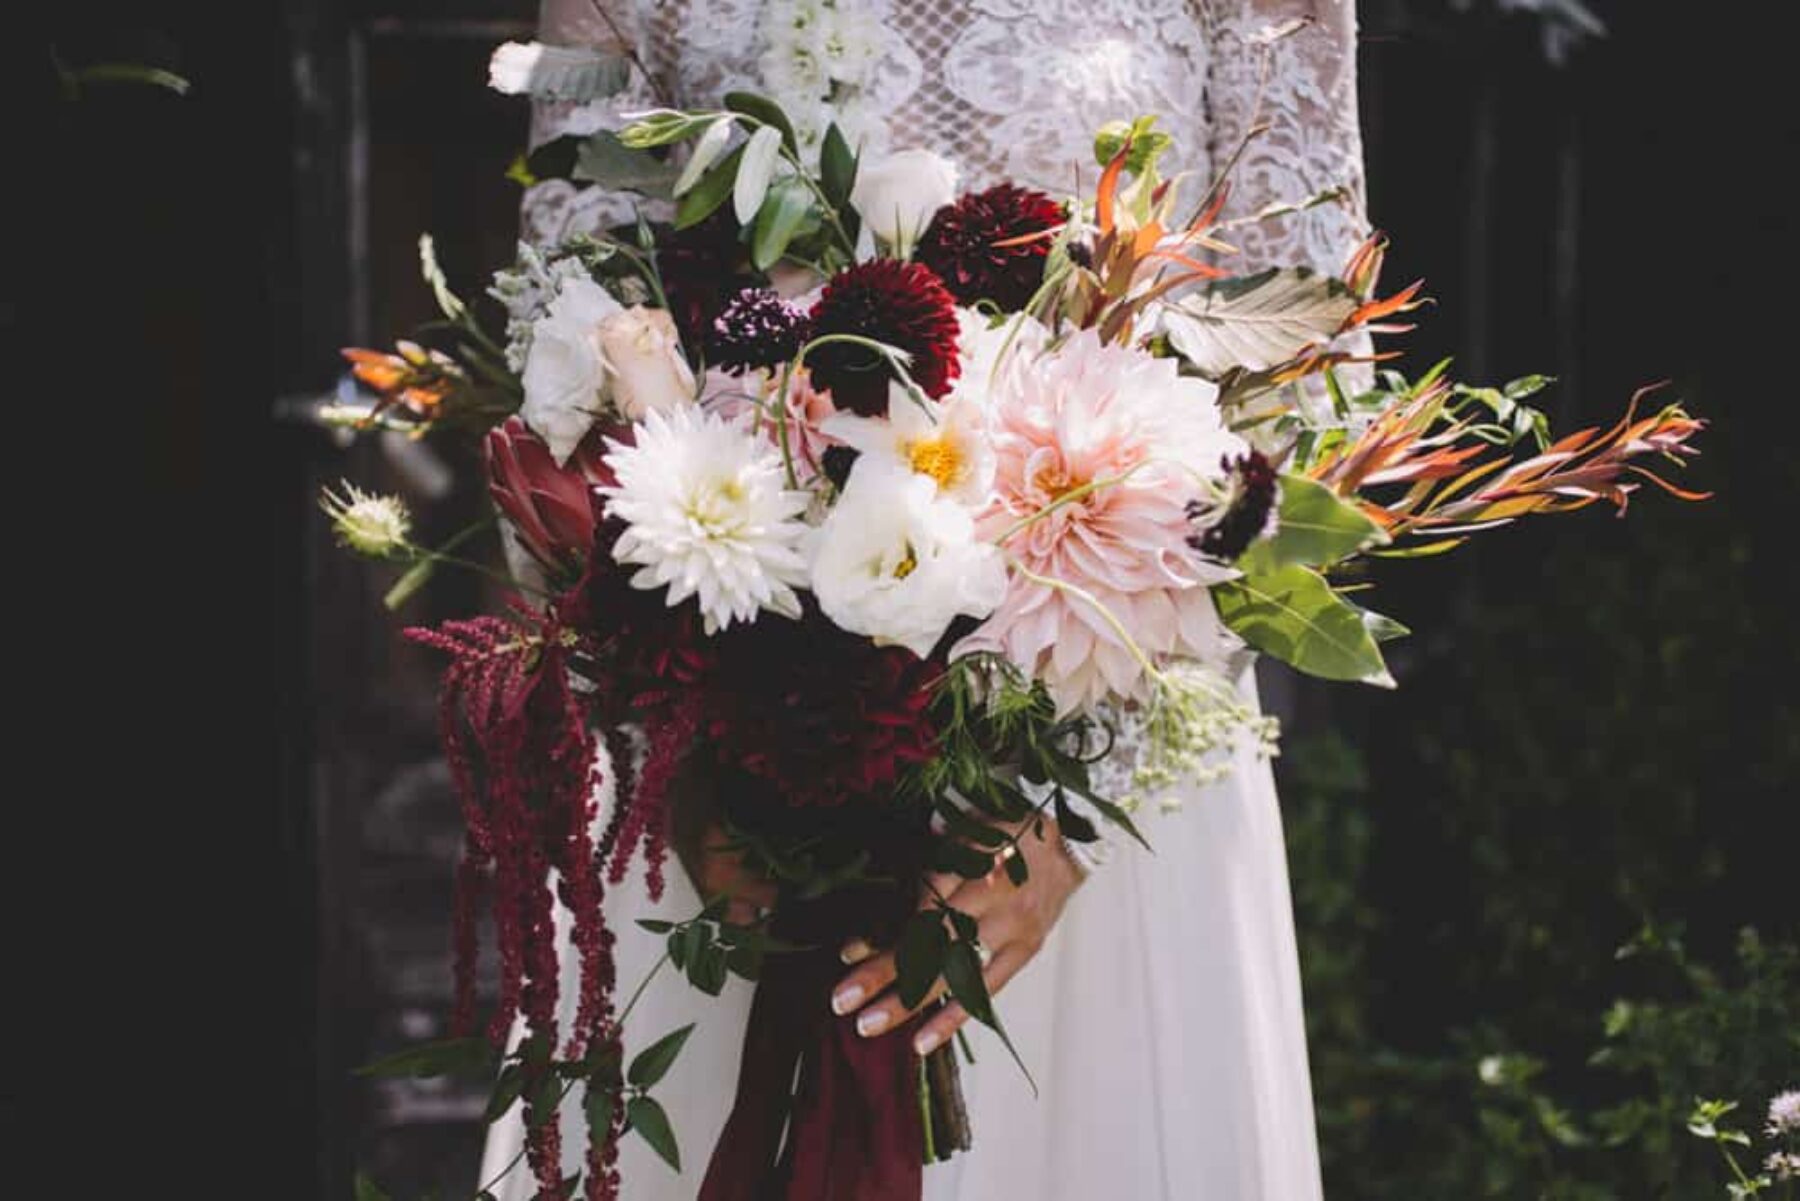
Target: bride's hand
(1013,921)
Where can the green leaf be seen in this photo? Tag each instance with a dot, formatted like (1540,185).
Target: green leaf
(704,199)
(1293,615)
(706,151)
(757,170)
(448,1057)
(1381,627)
(545,1100)
(970,829)
(1316,527)
(652,1124)
(837,167)
(605,160)
(656,925)
(746,959)
(654,1061)
(950,855)
(919,955)
(781,215)
(368,1190)
(599,1105)
(1017,870)
(506,1091)
(1073,825)
(1113,813)
(761,108)
(707,970)
(962,973)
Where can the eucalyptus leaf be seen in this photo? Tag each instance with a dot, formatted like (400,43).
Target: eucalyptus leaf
(654,1061)
(651,1123)
(1315,527)
(761,153)
(778,220)
(607,161)
(770,114)
(704,198)
(1258,321)
(1293,615)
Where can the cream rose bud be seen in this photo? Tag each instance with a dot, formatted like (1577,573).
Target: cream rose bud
(649,372)
(897,196)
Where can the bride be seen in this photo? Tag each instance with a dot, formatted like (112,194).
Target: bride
(1156,998)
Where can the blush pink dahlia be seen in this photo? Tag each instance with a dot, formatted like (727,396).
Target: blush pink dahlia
(1104,446)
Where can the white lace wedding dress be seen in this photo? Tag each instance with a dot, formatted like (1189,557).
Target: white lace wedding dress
(1163,1021)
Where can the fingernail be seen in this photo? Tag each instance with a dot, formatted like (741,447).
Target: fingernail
(855,951)
(872,1022)
(846,999)
(927,1042)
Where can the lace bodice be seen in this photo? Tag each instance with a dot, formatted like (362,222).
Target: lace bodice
(1016,87)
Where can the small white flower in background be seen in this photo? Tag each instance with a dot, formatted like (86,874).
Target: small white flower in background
(707,515)
(367,524)
(820,57)
(896,562)
(643,352)
(946,441)
(897,196)
(565,371)
(1783,1165)
(1784,1113)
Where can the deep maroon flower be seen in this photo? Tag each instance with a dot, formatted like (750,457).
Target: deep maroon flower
(549,506)
(974,245)
(903,305)
(823,716)
(1246,517)
(702,268)
(757,329)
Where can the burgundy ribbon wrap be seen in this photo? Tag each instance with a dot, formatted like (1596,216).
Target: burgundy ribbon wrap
(848,1106)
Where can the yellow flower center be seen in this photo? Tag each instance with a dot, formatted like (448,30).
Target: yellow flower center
(906,566)
(938,458)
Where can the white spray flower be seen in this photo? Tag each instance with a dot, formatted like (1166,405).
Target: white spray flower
(707,516)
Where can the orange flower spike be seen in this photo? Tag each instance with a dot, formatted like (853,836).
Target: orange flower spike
(1364,268)
(1106,198)
(382,372)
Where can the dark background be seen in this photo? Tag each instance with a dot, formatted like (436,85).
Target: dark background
(1596,727)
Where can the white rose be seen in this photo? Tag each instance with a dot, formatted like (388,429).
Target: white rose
(643,353)
(565,372)
(898,195)
(895,562)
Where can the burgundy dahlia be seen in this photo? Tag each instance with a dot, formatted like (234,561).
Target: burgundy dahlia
(1247,515)
(903,305)
(976,245)
(757,329)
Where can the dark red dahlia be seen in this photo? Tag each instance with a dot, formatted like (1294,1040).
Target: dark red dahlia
(1253,496)
(903,305)
(975,245)
(823,716)
(757,329)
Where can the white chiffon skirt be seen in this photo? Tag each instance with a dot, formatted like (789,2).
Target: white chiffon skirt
(1162,1022)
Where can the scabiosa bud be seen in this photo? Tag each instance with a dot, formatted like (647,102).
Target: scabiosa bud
(757,329)
(903,305)
(984,248)
(369,525)
(1246,514)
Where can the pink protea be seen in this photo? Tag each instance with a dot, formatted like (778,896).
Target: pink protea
(1083,413)
(548,505)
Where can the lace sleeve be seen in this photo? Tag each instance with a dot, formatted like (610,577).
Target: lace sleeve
(557,209)
(1302,87)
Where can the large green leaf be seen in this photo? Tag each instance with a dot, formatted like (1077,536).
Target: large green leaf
(837,167)
(1292,614)
(782,212)
(605,160)
(1316,528)
(654,1061)
(1258,321)
(647,1117)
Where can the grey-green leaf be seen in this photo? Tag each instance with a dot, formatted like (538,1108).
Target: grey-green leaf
(1315,527)
(761,153)
(654,1061)
(1258,321)
(651,1123)
(576,74)
(1292,614)
(605,160)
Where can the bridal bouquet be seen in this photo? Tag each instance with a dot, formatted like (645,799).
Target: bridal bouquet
(865,508)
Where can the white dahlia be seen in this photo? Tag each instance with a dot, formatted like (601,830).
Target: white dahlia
(707,515)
